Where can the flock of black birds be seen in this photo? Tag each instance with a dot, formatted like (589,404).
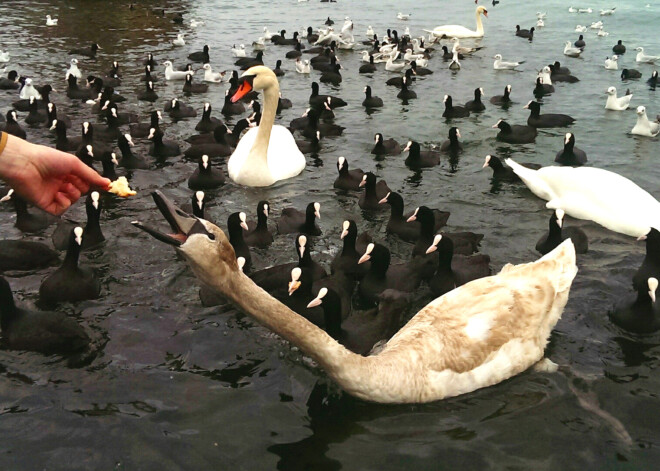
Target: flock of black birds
(361,274)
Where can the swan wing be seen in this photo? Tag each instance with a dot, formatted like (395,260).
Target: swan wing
(489,329)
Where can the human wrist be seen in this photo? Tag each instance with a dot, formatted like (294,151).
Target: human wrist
(13,159)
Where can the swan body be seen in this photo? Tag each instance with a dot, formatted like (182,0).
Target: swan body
(50,21)
(644,127)
(612,64)
(615,103)
(594,194)
(580,29)
(602,33)
(641,57)
(607,12)
(4,56)
(266,153)
(402,16)
(475,336)
(540,23)
(461,32)
(499,64)
(596,25)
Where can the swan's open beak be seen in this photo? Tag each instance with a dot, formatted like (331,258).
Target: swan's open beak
(183,225)
(244,87)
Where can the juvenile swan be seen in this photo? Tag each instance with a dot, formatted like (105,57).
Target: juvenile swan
(474,336)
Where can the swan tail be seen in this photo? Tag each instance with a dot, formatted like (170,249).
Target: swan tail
(564,256)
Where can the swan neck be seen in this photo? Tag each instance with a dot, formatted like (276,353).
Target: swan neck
(480,26)
(330,355)
(271,97)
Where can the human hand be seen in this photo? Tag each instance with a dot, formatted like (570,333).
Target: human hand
(48,178)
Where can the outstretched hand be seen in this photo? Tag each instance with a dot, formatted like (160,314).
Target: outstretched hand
(50,179)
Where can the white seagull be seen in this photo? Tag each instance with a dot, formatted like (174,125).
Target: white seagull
(499,64)
(615,103)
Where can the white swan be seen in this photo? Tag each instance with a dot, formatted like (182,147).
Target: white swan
(267,153)
(475,336)
(370,32)
(596,25)
(644,127)
(50,21)
(171,74)
(594,194)
(4,56)
(457,31)
(615,103)
(540,23)
(602,33)
(641,57)
(580,29)
(402,16)
(612,64)
(607,12)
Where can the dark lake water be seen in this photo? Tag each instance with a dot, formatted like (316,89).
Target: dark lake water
(175,385)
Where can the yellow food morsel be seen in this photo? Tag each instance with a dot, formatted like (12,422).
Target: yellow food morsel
(120,188)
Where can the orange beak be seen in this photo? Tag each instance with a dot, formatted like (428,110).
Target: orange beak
(243,89)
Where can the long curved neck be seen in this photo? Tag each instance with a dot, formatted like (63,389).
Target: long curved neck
(480,26)
(338,362)
(271,97)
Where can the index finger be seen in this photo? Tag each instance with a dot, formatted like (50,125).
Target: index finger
(90,176)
